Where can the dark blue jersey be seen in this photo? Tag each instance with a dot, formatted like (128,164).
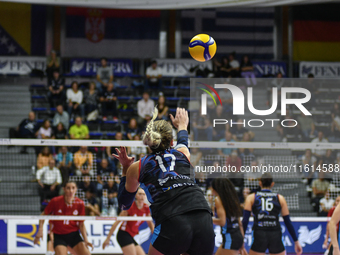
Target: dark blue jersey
(231,225)
(166,180)
(266,210)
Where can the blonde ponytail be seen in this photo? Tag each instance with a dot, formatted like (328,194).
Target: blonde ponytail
(152,138)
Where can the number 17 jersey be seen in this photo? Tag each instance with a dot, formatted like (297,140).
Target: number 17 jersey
(266,210)
(166,180)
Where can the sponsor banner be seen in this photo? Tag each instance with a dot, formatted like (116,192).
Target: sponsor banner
(181,67)
(89,66)
(319,69)
(21,233)
(269,68)
(21,65)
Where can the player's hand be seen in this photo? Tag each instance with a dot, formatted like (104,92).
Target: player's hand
(37,237)
(181,120)
(123,158)
(298,248)
(106,243)
(88,244)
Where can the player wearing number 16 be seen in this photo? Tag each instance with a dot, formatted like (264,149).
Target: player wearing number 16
(183,223)
(267,207)
(66,232)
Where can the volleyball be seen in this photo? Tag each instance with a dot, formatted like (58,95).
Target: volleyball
(202,47)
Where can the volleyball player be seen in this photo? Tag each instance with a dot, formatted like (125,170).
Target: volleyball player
(181,213)
(129,229)
(266,207)
(66,232)
(325,245)
(334,231)
(228,213)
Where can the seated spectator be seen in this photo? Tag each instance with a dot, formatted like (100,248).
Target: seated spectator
(245,138)
(326,203)
(162,109)
(226,151)
(153,76)
(227,100)
(79,130)
(247,70)
(109,199)
(65,163)
(335,110)
(83,161)
(308,163)
(291,133)
(327,160)
(145,108)
(307,127)
(60,132)
(132,129)
(195,156)
(87,185)
(335,128)
(235,66)
(318,153)
(27,129)
(44,157)
(45,131)
(56,92)
(235,177)
(219,129)
(49,179)
(61,116)
(108,101)
(136,151)
(203,130)
(112,150)
(89,188)
(103,174)
(222,69)
(74,98)
(53,63)
(104,76)
(91,98)
(320,187)
(238,131)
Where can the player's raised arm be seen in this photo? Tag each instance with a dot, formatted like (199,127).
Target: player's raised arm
(181,121)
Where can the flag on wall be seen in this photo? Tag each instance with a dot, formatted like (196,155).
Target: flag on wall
(316,32)
(243,30)
(111,33)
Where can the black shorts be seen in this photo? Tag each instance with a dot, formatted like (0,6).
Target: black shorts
(233,240)
(71,239)
(191,232)
(124,239)
(267,239)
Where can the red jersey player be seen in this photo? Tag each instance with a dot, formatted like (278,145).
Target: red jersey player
(66,233)
(129,229)
(329,250)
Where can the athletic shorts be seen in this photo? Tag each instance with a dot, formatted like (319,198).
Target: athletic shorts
(191,232)
(267,239)
(233,240)
(71,239)
(124,239)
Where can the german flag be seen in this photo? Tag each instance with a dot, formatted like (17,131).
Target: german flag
(317,32)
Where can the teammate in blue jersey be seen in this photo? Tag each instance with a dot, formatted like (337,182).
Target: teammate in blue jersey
(333,231)
(183,223)
(267,207)
(228,213)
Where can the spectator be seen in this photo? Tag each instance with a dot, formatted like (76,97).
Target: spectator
(108,101)
(136,151)
(132,129)
(103,174)
(247,155)
(112,150)
(87,185)
(83,161)
(203,130)
(227,100)
(236,177)
(219,129)
(226,151)
(91,205)
(56,93)
(65,162)
(195,156)
(335,127)
(235,66)
(326,203)
(60,132)
(309,163)
(318,153)
(291,133)
(307,127)
(320,187)
(53,63)
(61,116)
(162,108)
(153,76)
(104,76)
(335,111)
(145,108)
(110,192)
(238,131)
(247,70)
(79,130)
(45,131)
(27,129)
(44,157)
(75,100)
(49,179)
(327,160)
(222,69)
(91,98)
